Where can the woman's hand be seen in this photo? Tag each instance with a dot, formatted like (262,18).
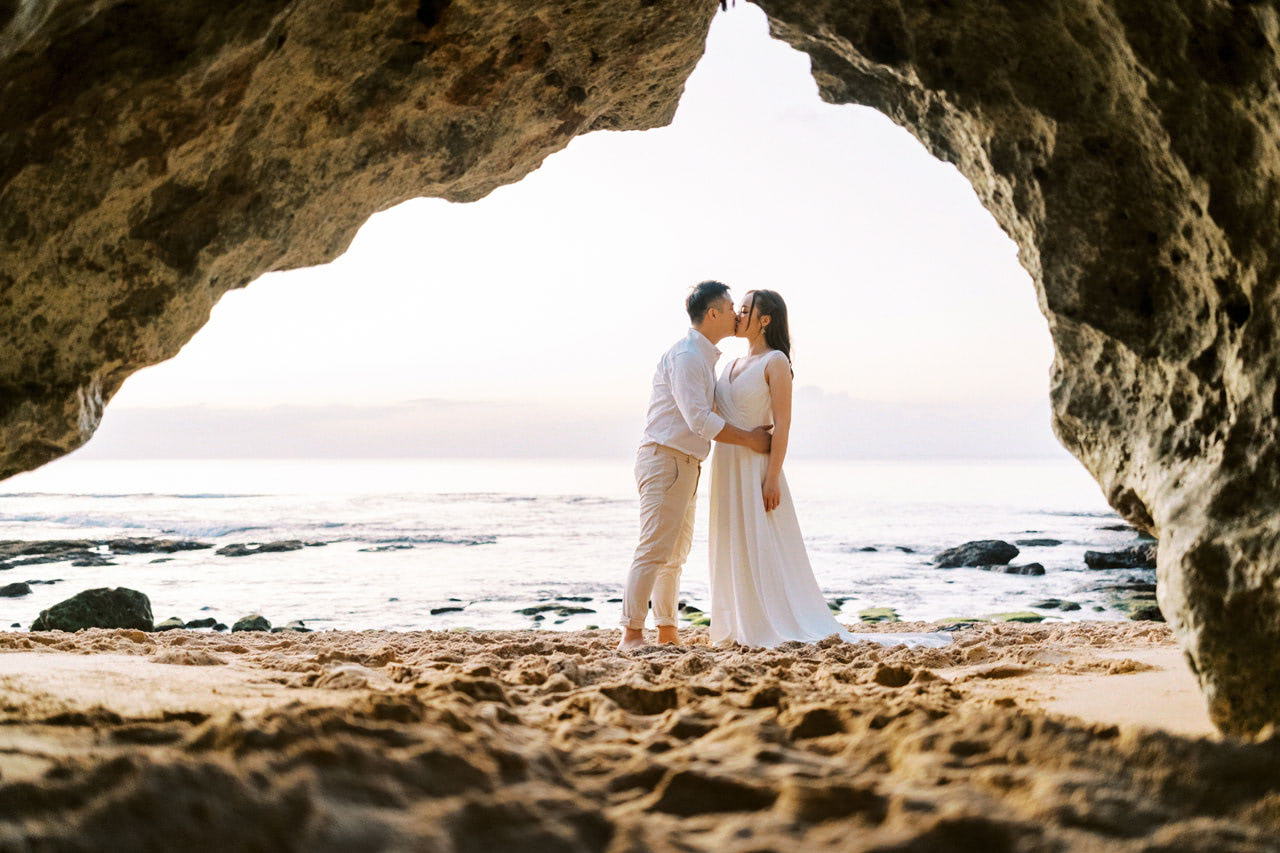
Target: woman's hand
(772,493)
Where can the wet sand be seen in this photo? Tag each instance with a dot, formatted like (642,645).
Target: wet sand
(1088,736)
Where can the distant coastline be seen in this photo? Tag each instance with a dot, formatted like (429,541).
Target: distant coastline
(826,426)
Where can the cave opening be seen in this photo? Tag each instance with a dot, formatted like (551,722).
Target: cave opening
(526,325)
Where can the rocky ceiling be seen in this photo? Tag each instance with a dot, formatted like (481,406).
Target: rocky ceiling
(155,154)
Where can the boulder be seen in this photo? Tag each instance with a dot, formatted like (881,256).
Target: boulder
(1037,543)
(97,608)
(252,622)
(14,590)
(1134,557)
(170,624)
(206,622)
(980,552)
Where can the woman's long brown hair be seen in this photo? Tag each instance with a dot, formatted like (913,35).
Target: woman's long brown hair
(767,303)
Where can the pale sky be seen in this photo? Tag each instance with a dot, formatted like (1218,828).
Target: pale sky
(564,289)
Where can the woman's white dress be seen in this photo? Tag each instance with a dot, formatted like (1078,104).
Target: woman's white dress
(763,591)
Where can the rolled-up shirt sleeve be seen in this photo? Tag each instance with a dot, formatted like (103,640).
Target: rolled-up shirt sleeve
(693,395)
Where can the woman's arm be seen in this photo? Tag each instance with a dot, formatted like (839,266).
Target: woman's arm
(778,374)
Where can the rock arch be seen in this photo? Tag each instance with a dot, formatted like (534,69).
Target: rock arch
(154,155)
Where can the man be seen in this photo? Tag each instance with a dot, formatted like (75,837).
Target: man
(677,437)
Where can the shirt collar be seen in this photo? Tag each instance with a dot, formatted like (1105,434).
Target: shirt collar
(704,345)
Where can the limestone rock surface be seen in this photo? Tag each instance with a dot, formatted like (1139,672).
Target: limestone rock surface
(154,155)
(1131,148)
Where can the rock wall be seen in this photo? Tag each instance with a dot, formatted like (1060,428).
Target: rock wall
(1130,149)
(155,155)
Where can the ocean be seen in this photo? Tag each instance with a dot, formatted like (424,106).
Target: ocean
(402,537)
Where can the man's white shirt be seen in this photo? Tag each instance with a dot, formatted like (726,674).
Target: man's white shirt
(681,412)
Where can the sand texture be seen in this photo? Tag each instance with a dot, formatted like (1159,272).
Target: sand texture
(1018,737)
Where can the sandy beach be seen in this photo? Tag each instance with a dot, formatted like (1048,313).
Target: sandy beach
(1017,737)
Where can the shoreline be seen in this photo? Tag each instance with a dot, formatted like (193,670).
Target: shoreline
(1015,736)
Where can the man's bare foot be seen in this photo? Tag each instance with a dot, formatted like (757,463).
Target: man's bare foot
(669,634)
(632,638)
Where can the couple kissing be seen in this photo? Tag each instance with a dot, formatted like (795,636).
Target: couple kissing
(763,590)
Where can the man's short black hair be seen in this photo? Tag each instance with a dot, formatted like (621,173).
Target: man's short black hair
(701,297)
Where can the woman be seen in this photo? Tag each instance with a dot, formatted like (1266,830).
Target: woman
(763,591)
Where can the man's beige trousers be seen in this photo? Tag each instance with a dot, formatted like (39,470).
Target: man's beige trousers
(668,483)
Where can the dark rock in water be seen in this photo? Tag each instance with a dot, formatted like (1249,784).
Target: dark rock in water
(980,552)
(558,609)
(613,601)
(295,625)
(51,580)
(161,560)
(247,549)
(315,544)
(170,624)
(538,617)
(14,590)
(220,627)
(436,611)
(686,607)
(206,607)
(393,598)
(573,598)
(904,549)
(1141,534)
(52,558)
(97,608)
(1139,606)
(1037,543)
(1128,586)
(1146,613)
(153,546)
(206,622)
(1135,557)
(1025,569)
(16,625)
(1016,616)
(82,553)
(376,549)
(1056,604)
(49,547)
(868,549)
(879,614)
(252,622)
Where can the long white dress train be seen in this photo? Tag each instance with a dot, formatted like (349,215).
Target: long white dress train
(763,591)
